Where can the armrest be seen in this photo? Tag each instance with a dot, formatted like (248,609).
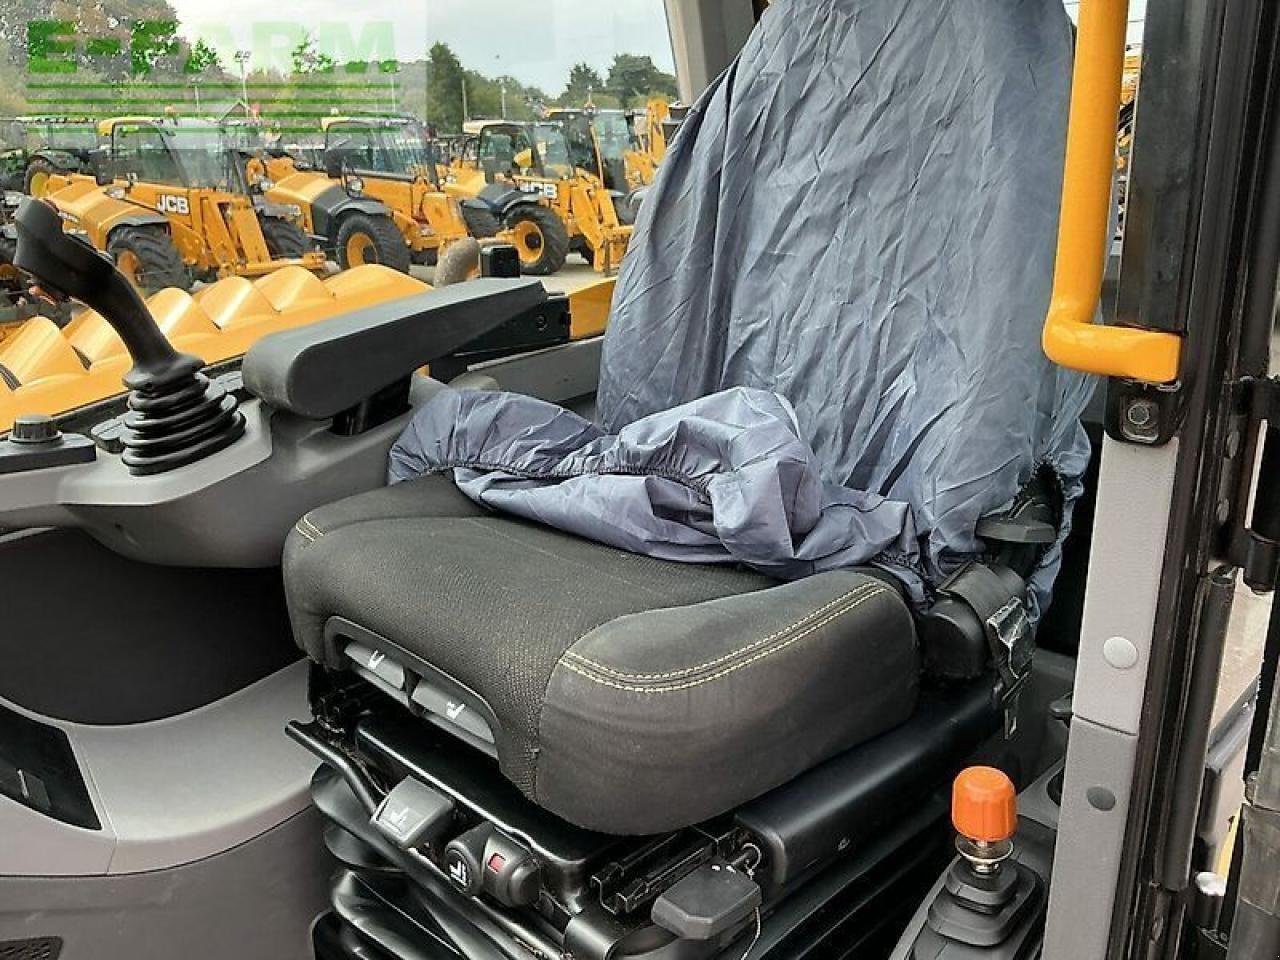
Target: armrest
(318,371)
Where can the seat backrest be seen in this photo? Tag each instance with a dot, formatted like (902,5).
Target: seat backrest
(861,215)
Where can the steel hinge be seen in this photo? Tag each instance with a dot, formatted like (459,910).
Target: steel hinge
(1253,540)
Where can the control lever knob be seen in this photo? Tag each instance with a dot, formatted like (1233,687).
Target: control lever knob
(486,860)
(34,428)
(464,857)
(984,812)
(984,805)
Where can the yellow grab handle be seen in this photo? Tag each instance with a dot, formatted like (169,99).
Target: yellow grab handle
(1071,338)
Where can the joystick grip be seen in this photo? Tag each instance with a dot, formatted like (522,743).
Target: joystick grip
(67,265)
(176,415)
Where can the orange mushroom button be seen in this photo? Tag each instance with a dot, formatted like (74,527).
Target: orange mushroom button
(984,805)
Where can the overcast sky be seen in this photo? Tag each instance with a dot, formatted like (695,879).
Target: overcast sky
(1137,10)
(535,43)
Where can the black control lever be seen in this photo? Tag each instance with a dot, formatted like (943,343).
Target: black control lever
(176,414)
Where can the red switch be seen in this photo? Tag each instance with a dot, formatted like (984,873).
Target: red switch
(496,862)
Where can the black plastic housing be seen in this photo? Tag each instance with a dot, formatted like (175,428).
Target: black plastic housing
(319,371)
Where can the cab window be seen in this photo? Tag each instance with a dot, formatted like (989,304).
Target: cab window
(143,151)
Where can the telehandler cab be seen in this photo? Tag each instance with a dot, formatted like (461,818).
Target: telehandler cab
(658,714)
(18,303)
(169,204)
(34,148)
(628,145)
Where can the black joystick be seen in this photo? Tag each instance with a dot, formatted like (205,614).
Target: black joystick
(176,414)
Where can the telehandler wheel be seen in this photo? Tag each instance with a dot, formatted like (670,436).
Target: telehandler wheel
(285,240)
(364,239)
(539,237)
(148,258)
(36,181)
(481,223)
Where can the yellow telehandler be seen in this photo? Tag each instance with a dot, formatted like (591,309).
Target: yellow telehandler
(388,161)
(352,229)
(556,163)
(167,203)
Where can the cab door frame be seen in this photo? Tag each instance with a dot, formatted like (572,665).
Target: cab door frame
(1163,573)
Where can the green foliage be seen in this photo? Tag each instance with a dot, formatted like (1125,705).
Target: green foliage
(307,58)
(444,88)
(632,79)
(584,83)
(202,59)
(151,43)
(97,39)
(131,43)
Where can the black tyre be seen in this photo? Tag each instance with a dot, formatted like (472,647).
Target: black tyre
(539,237)
(481,223)
(285,240)
(365,239)
(35,183)
(148,257)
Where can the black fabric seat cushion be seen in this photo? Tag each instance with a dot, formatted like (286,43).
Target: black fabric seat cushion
(633,695)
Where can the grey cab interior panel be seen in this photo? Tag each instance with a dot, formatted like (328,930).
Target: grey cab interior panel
(1094,811)
(557,374)
(1124,577)
(256,901)
(705,37)
(173,791)
(140,642)
(235,508)
(1130,527)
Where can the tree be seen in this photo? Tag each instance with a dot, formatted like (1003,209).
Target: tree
(308,58)
(202,58)
(584,80)
(633,77)
(445,93)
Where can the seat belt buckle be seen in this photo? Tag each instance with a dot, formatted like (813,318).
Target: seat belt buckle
(1013,648)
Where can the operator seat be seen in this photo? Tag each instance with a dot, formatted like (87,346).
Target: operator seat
(633,695)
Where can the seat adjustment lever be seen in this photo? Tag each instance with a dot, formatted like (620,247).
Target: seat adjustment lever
(486,860)
(413,815)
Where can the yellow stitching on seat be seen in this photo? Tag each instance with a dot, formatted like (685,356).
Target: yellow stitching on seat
(672,687)
(313,534)
(859,590)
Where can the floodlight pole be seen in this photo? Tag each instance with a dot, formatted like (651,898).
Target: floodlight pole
(242,58)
